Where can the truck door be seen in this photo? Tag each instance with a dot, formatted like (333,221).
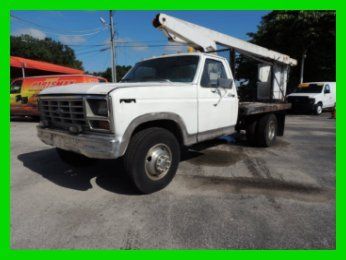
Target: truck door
(328,97)
(217,106)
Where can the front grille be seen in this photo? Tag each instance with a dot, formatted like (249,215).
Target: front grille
(298,99)
(63,112)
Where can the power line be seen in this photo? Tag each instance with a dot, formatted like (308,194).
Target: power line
(133,46)
(86,45)
(92,51)
(118,43)
(85,48)
(55,33)
(51,28)
(153,45)
(124,46)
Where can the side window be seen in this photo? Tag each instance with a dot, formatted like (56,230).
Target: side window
(327,89)
(16,86)
(212,72)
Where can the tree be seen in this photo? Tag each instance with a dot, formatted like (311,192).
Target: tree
(296,32)
(46,50)
(121,71)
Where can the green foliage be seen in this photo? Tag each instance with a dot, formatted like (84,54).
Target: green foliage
(293,33)
(121,71)
(45,50)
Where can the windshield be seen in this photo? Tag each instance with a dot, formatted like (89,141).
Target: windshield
(16,86)
(311,88)
(170,69)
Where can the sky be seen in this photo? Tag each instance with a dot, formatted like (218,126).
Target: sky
(136,38)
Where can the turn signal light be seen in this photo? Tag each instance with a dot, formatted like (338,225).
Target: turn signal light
(100,124)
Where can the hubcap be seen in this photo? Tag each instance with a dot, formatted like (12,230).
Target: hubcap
(319,109)
(271,130)
(158,161)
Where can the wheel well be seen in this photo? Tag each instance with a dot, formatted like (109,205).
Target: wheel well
(280,116)
(169,125)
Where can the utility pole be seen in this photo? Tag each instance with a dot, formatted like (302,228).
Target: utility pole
(111,27)
(232,60)
(302,66)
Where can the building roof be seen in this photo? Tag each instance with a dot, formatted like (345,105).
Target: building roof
(19,62)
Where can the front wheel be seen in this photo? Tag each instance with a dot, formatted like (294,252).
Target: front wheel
(318,109)
(152,159)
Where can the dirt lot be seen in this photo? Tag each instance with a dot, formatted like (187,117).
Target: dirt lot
(224,196)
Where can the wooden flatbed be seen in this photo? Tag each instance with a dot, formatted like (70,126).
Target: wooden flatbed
(250,112)
(254,108)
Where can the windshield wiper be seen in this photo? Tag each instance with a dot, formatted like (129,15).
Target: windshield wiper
(127,80)
(160,80)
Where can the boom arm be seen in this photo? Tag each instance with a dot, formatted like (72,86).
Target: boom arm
(205,40)
(272,72)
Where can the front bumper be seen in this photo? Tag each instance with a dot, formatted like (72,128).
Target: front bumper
(91,145)
(303,107)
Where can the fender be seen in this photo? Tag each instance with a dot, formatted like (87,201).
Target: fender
(188,139)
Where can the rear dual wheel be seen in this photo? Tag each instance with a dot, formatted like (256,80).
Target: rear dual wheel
(262,132)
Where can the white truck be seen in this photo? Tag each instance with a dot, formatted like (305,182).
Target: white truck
(161,105)
(313,97)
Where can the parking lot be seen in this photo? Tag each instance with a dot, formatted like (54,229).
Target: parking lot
(225,195)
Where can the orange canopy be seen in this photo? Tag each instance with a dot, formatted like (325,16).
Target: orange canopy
(19,62)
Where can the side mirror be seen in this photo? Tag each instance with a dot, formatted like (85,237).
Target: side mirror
(326,91)
(225,83)
(18,98)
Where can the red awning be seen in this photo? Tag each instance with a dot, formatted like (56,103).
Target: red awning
(19,62)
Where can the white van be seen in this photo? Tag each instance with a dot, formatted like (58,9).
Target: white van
(313,96)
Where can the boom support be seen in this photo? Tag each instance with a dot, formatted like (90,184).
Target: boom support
(274,67)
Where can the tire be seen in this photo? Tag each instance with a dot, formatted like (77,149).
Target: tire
(152,159)
(318,109)
(266,130)
(74,159)
(251,133)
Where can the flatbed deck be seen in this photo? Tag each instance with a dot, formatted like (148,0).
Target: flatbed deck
(253,108)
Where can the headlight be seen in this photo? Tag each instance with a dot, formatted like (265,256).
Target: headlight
(98,114)
(99,107)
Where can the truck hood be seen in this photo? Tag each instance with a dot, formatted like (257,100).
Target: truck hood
(102,88)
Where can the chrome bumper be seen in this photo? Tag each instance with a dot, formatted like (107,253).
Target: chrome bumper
(90,145)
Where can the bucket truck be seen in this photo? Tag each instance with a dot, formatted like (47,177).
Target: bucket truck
(164,104)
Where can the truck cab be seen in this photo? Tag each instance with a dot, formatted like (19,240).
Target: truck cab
(313,97)
(205,89)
